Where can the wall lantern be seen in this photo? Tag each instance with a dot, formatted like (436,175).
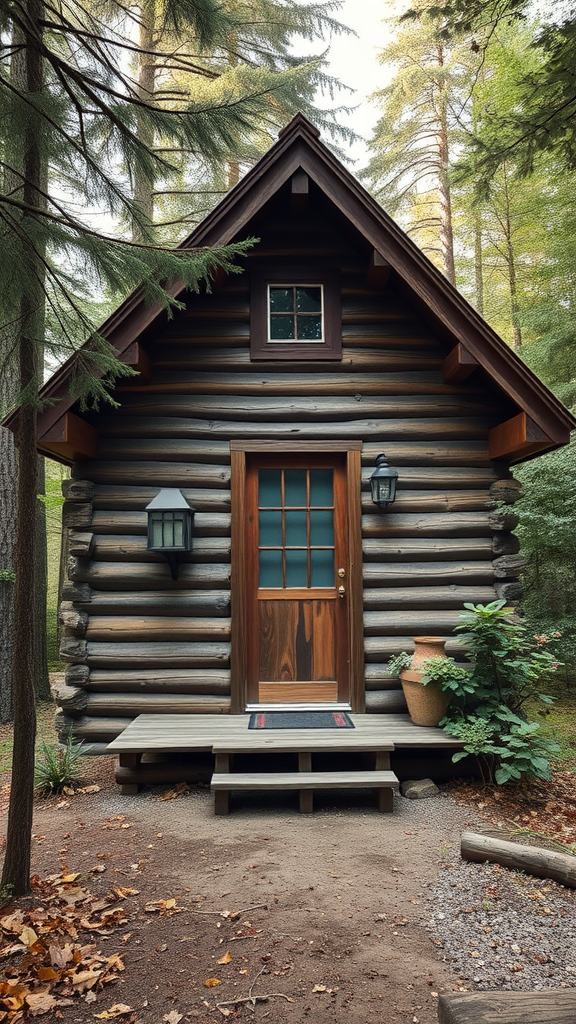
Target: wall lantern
(383,482)
(170,519)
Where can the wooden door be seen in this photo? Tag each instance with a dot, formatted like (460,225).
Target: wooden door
(298,567)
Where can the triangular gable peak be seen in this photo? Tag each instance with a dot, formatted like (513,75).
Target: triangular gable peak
(540,423)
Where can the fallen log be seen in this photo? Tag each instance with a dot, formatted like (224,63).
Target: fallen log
(532,859)
(552,1006)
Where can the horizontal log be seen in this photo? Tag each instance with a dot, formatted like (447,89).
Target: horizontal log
(431,428)
(159,680)
(176,603)
(78,490)
(386,702)
(90,730)
(164,474)
(503,519)
(550,1006)
(126,576)
(426,598)
(532,859)
(206,524)
(509,567)
(170,449)
(104,705)
(201,358)
(118,497)
(429,453)
(378,677)
(77,515)
(156,655)
(72,699)
(505,544)
(73,649)
(319,383)
(145,628)
(509,592)
(112,548)
(80,544)
(427,548)
(287,408)
(453,524)
(436,478)
(413,623)
(73,621)
(380,648)
(507,490)
(77,675)
(389,574)
(427,501)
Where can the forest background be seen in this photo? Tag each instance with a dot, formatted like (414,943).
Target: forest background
(456,156)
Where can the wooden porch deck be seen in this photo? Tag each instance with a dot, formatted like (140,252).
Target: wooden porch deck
(225,736)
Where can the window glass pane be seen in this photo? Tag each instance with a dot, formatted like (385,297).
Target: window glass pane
(295,486)
(281,300)
(297,568)
(309,300)
(269,487)
(178,529)
(270,525)
(322,568)
(282,328)
(321,489)
(309,328)
(271,569)
(157,533)
(296,529)
(322,528)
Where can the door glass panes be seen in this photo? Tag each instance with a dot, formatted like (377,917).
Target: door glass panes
(295,313)
(296,528)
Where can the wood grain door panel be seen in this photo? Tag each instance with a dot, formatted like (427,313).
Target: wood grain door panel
(296,533)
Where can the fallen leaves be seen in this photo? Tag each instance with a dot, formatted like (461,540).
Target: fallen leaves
(54,965)
(212,982)
(225,959)
(163,907)
(172,794)
(118,1010)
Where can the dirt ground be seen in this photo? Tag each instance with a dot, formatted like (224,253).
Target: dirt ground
(328,911)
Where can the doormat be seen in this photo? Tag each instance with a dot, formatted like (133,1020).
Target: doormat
(300,720)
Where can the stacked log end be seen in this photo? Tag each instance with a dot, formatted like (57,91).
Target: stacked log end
(137,641)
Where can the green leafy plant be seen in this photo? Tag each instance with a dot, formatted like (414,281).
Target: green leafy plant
(57,766)
(7,575)
(439,669)
(488,711)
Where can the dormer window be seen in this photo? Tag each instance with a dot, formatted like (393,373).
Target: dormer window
(295,314)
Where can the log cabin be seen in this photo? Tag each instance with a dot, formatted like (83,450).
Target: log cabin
(265,403)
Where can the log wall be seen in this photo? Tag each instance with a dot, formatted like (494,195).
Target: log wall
(136,640)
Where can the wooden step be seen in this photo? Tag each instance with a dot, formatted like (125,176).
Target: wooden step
(549,1006)
(306,782)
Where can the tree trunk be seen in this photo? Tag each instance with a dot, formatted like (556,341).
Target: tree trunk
(446,228)
(478,268)
(41,585)
(143,184)
(16,870)
(511,263)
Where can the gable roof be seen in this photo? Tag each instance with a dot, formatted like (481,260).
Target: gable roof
(542,423)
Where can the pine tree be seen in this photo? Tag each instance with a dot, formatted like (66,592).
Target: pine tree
(72,87)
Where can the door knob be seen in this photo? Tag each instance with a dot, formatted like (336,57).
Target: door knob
(341,591)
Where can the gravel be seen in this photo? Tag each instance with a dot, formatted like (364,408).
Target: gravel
(503,929)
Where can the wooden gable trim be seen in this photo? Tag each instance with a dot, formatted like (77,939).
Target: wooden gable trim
(70,438)
(298,150)
(458,365)
(516,439)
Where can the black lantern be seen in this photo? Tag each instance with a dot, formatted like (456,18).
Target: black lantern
(383,482)
(170,519)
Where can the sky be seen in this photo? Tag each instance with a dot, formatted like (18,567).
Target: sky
(354,62)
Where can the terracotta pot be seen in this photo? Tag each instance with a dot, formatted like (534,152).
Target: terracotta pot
(427,705)
(427,647)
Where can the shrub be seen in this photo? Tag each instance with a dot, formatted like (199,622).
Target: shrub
(488,712)
(57,766)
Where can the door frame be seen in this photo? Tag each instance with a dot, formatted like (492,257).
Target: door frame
(239,450)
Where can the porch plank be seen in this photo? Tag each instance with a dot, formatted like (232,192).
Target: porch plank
(305,780)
